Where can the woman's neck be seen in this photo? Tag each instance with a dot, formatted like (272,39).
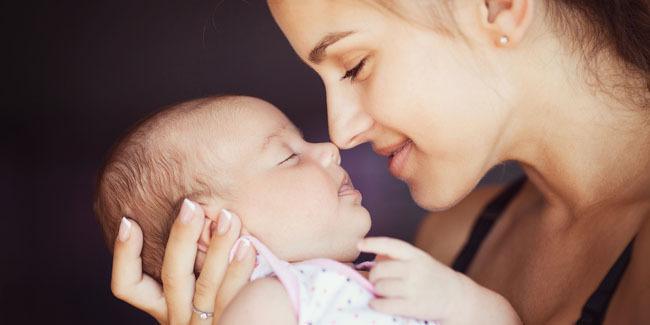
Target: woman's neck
(584,150)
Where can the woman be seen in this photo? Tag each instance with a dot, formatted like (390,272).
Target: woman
(448,90)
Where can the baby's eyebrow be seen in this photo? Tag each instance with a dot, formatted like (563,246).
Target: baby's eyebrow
(278,132)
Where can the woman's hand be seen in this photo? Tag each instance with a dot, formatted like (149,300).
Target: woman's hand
(172,302)
(411,283)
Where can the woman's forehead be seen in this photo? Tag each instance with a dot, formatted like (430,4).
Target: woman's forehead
(306,23)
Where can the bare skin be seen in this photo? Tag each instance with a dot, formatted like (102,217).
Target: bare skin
(464,109)
(503,264)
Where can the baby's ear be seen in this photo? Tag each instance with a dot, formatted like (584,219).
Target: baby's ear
(209,227)
(206,234)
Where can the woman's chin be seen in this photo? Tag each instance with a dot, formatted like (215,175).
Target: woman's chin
(436,198)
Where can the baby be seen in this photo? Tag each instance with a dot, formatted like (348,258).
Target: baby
(298,207)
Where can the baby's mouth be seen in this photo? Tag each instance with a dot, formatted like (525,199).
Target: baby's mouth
(347,187)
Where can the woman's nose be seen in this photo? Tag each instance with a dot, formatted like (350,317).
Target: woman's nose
(348,123)
(327,154)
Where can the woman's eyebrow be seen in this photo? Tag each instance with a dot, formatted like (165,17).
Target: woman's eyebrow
(317,54)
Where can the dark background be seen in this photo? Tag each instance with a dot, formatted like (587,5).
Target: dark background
(81,72)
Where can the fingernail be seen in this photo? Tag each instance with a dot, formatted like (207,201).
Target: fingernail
(223,224)
(242,249)
(187,211)
(125,230)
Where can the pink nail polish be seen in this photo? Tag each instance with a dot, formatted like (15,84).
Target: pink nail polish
(223,224)
(124,231)
(239,250)
(187,211)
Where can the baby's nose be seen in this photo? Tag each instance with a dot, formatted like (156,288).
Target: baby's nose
(328,153)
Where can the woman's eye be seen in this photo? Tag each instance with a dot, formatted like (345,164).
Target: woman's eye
(352,73)
(293,155)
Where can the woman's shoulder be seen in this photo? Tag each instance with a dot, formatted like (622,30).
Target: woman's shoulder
(442,234)
(263,301)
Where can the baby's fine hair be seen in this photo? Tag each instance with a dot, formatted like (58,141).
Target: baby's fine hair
(146,176)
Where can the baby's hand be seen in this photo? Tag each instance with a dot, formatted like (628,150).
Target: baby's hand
(411,283)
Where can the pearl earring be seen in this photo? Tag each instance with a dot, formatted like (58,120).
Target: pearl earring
(503,40)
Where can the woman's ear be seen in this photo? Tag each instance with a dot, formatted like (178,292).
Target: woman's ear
(506,21)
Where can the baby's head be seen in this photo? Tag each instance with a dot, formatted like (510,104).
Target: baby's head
(241,154)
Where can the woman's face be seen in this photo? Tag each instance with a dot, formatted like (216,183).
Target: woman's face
(431,104)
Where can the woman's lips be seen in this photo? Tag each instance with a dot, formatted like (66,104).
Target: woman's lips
(397,160)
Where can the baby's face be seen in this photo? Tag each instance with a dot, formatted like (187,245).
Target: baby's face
(291,194)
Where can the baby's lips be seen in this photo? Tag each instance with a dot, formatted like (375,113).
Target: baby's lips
(365,266)
(346,185)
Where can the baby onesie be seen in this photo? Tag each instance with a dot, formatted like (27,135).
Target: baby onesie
(324,291)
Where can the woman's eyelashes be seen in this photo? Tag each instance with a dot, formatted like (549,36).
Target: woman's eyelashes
(352,73)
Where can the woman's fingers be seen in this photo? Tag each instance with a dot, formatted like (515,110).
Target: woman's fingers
(178,265)
(224,234)
(128,283)
(237,276)
(391,247)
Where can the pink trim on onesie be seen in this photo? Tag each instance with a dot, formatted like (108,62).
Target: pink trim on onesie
(290,281)
(280,268)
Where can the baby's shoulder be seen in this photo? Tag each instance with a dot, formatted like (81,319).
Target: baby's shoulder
(263,301)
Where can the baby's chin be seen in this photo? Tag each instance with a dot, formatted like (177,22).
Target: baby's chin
(340,248)
(353,257)
(349,252)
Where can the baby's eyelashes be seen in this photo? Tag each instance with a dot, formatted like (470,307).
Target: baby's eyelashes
(291,159)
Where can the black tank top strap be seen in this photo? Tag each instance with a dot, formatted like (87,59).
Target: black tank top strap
(595,309)
(484,223)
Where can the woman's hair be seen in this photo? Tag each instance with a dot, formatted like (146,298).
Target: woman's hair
(620,27)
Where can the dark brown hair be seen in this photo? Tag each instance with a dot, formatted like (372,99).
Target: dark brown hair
(594,27)
(621,27)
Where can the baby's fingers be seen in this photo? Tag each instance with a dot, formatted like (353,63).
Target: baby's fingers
(387,269)
(393,306)
(391,247)
(390,288)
